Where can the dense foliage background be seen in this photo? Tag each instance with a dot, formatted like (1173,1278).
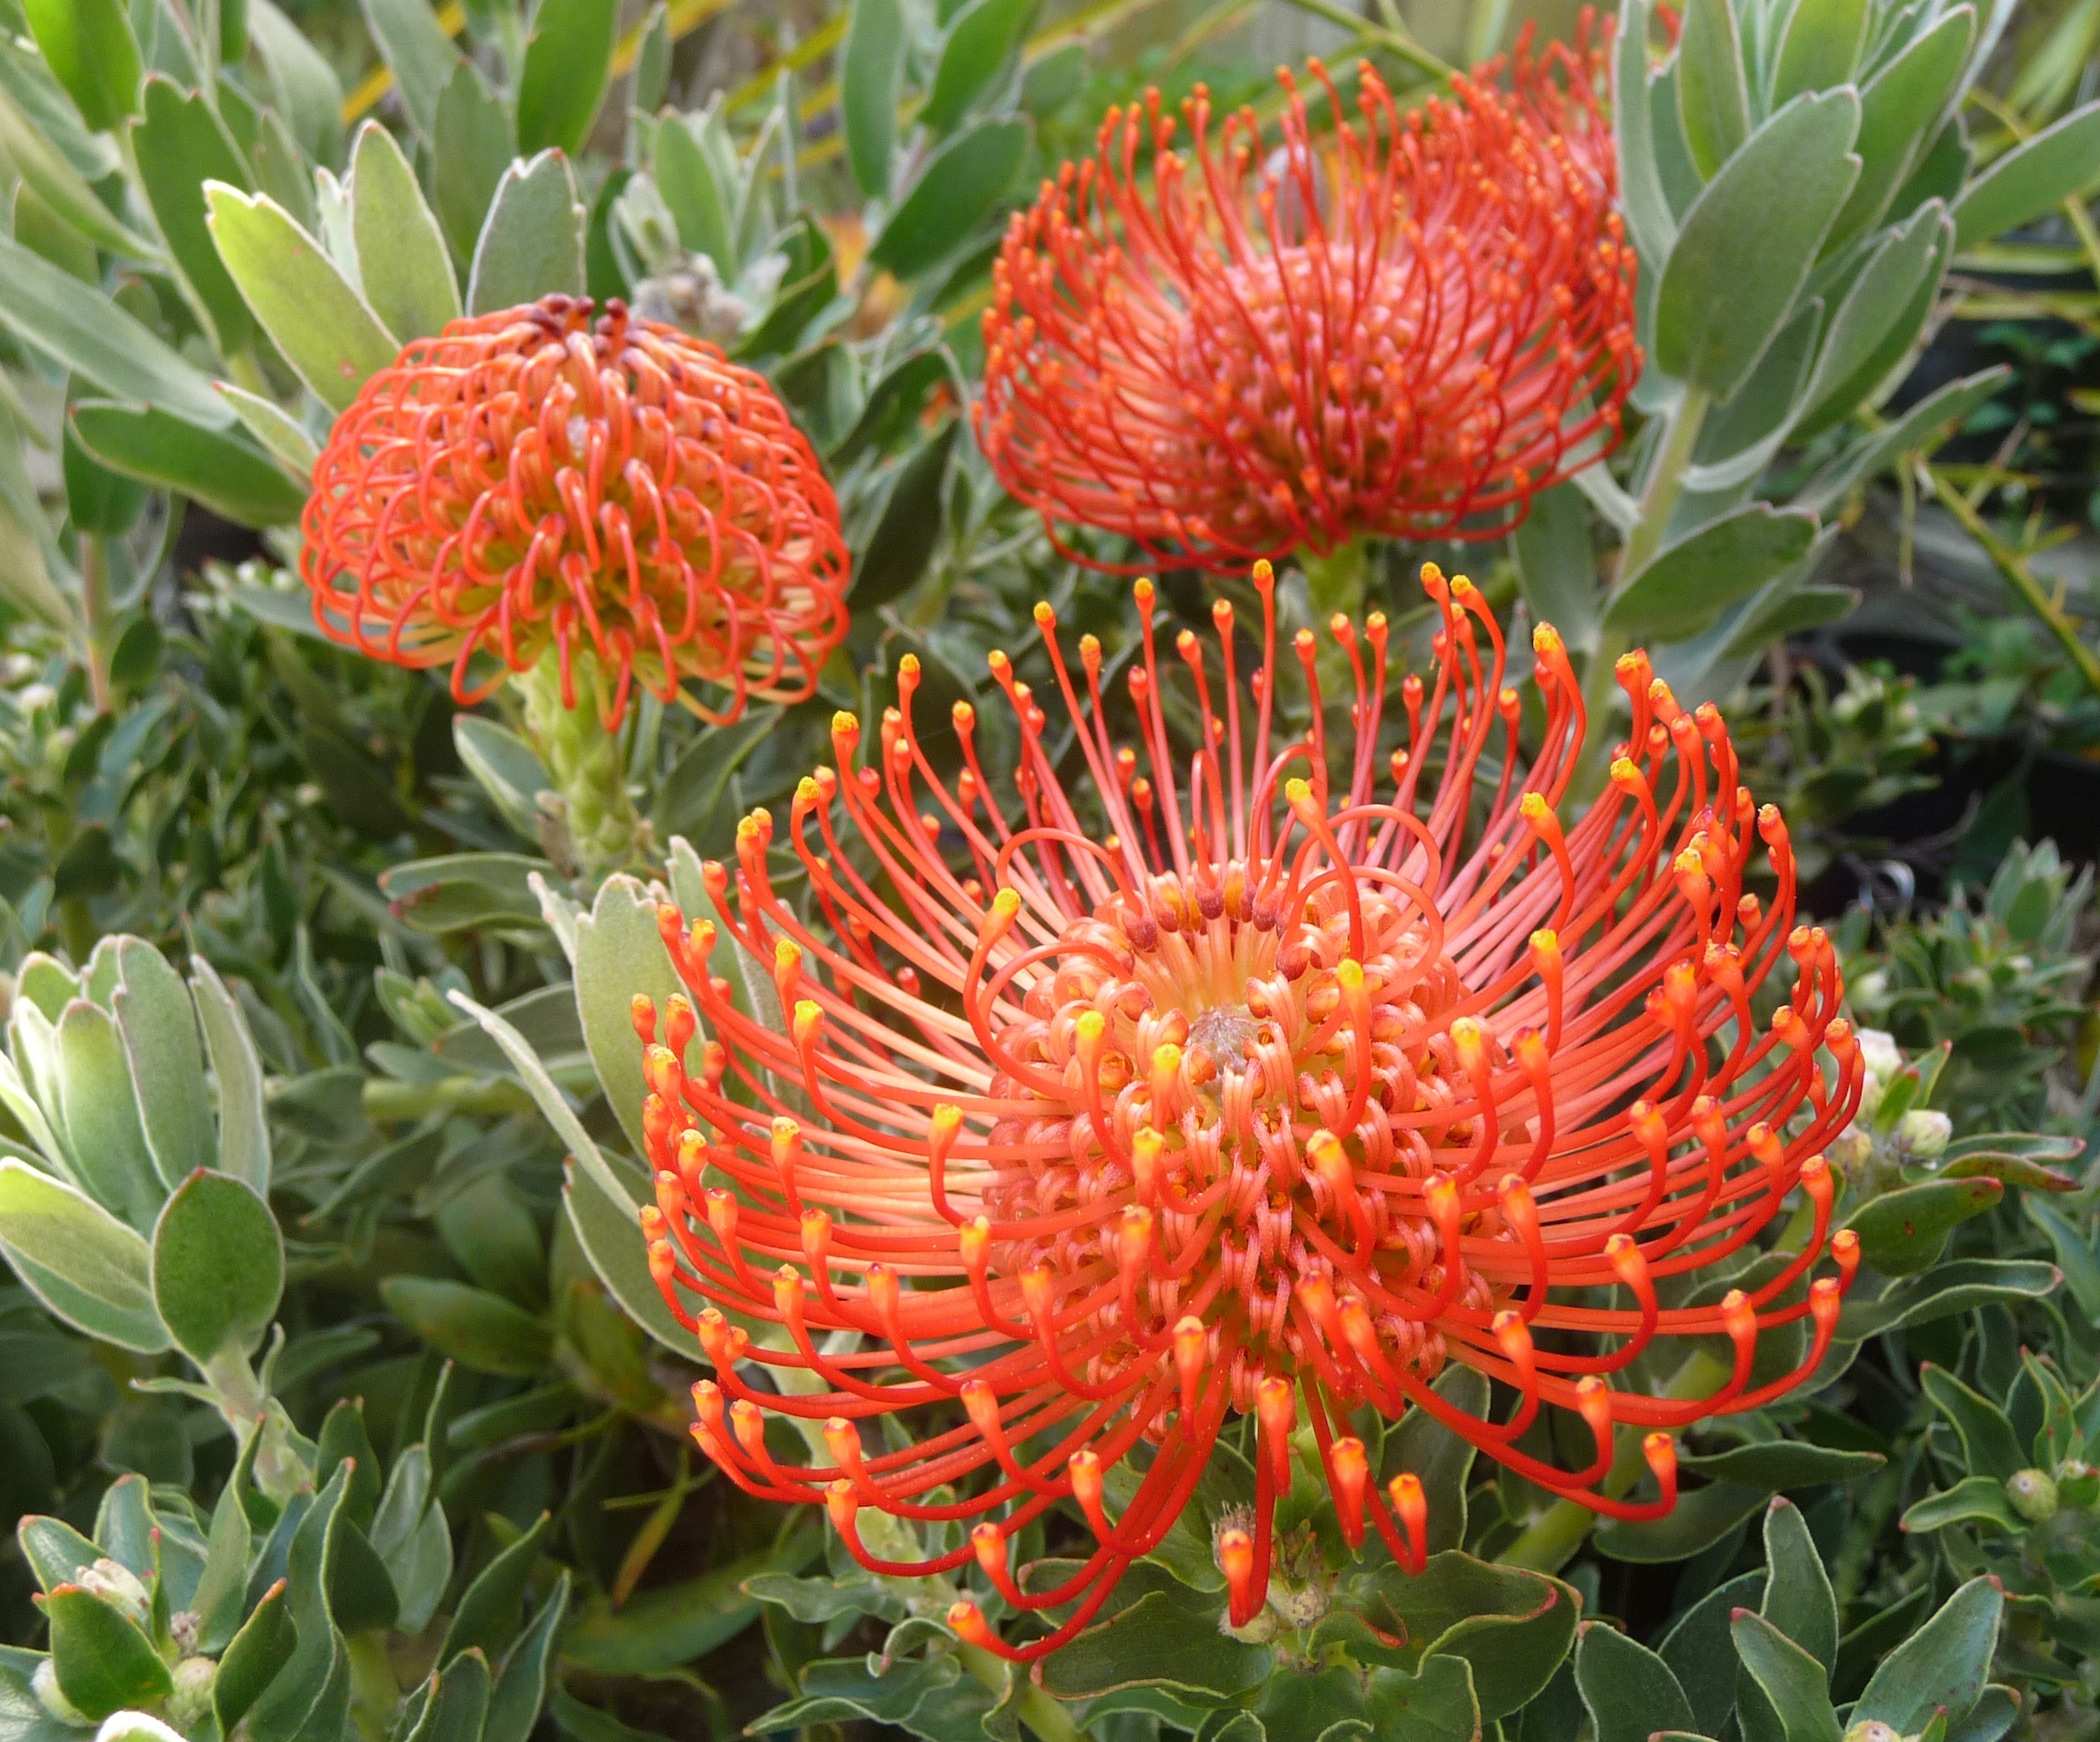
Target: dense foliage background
(408,1453)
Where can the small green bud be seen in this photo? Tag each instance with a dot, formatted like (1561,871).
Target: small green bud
(1873,1730)
(44,1684)
(2033,1495)
(1924,1133)
(191,1699)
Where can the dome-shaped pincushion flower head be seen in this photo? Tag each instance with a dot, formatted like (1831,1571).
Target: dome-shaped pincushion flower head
(1402,328)
(534,481)
(1264,1077)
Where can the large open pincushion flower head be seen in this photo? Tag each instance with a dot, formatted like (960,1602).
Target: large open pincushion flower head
(1263,1078)
(1402,329)
(534,481)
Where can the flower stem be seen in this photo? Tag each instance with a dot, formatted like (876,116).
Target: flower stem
(588,766)
(1682,423)
(1551,1540)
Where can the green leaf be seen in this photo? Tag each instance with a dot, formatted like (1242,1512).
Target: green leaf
(324,328)
(1880,317)
(1749,240)
(568,61)
(1776,1464)
(479,1330)
(1511,1625)
(521,1686)
(2074,1253)
(871,73)
(410,1535)
(87,1267)
(104,1661)
(302,85)
(1649,218)
(1798,1598)
(1627,1690)
(487,1617)
(1901,110)
(695,174)
(1821,47)
(89,47)
(419,53)
(2057,164)
(277,430)
(1556,555)
(1957,1286)
(457,1702)
(981,42)
(619,955)
(1918,428)
(960,187)
(1701,1519)
(99,1110)
(57,1554)
(313,1678)
(1945,1663)
(235,480)
(402,261)
(222,1584)
(532,244)
(1162,1635)
(1902,1232)
(1442,1459)
(602,1218)
(472,148)
(1790,1678)
(1713,98)
(1989,1445)
(1972,1500)
(244,1134)
(458,891)
(1685,585)
(79,327)
(218,1266)
(908,528)
(1436,1704)
(252,1660)
(158,1027)
(59,182)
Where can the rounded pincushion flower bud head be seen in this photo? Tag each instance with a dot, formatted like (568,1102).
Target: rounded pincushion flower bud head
(1400,328)
(1215,1062)
(534,482)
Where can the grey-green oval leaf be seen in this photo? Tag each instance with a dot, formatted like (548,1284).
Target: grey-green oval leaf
(402,261)
(1749,239)
(218,1266)
(985,36)
(961,187)
(327,332)
(1713,97)
(89,47)
(86,1266)
(871,73)
(532,244)
(2053,166)
(236,481)
(567,64)
(1688,584)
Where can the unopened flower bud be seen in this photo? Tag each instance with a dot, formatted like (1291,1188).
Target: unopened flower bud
(44,1684)
(119,1587)
(191,1698)
(2077,1482)
(2033,1495)
(1924,1133)
(1873,1730)
(1880,1054)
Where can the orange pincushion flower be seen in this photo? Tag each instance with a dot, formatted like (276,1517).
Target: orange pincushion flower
(531,479)
(1403,330)
(1265,1079)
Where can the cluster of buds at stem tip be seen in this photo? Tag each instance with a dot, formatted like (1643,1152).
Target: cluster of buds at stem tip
(1259,1076)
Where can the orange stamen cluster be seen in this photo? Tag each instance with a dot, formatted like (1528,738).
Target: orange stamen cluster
(1262,1079)
(531,479)
(1404,328)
